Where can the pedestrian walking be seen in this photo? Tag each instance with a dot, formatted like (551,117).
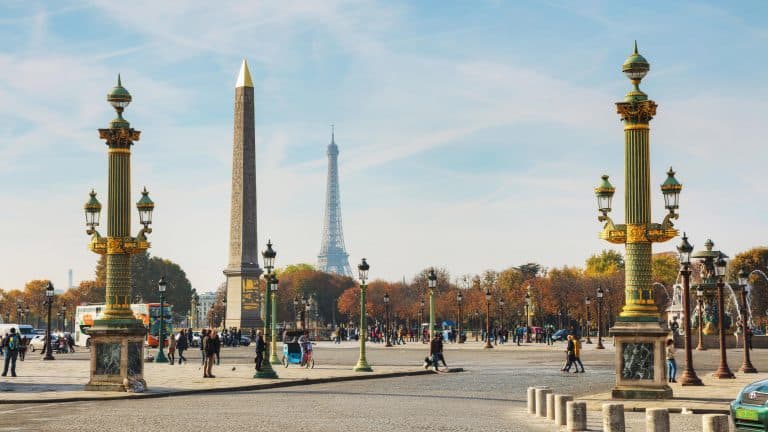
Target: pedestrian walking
(435,349)
(577,355)
(210,347)
(671,364)
(23,347)
(172,349)
(569,355)
(260,348)
(182,344)
(203,335)
(10,346)
(217,347)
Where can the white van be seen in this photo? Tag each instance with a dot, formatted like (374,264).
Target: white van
(23,330)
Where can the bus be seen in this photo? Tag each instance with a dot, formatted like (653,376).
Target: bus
(147,313)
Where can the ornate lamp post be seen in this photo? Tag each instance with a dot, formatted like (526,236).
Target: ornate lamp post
(386,320)
(723,371)
(161,287)
(303,312)
(268,255)
(688,377)
(528,303)
(195,316)
(48,303)
(432,284)
(421,316)
(477,320)
(488,319)
(637,328)
(501,309)
(459,300)
(599,318)
(746,365)
(26,314)
(362,364)
(19,312)
(587,303)
(273,286)
(295,308)
(117,339)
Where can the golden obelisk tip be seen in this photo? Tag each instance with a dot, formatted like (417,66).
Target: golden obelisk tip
(244,78)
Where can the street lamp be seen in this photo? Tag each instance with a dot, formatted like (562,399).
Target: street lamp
(273,287)
(161,287)
(362,365)
(421,316)
(459,299)
(488,319)
(49,303)
(587,302)
(600,294)
(746,366)
(723,371)
(386,320)
(477,320)
(432,283)
(304,309)
(270,292)
(688,377)
(528,304)
(295,308)
(118,333)
(700,302)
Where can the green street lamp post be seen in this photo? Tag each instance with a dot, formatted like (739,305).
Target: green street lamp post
(48,341)
(459,300)
(600,294)
(386,321)
(432,284)
(362,365)
(746,365)
(637,328)
(688,377)
(528,304)
(269,255)
(488,320)
(587,303)
(421,317)
(117,339)
(700,303)
(161,287)
(295,309)
(273,286)
(723,371)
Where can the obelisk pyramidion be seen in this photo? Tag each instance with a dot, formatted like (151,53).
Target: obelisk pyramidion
(242,272)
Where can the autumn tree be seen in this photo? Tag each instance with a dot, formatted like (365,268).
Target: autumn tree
(604,263)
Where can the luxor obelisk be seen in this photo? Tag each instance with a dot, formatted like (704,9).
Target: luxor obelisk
(242,272)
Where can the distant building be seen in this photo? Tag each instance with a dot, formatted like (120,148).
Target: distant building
(333,257)
(207,300)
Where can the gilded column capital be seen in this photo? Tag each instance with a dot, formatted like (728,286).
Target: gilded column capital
(636,113)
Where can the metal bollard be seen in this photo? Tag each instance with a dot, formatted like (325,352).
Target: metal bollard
(531,400)
(541,401)
(576,416)
(560,409)
(550,406)
(613,417)
(656,420)
(714,423)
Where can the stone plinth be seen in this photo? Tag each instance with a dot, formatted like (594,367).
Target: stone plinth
(117,355)
(640,361)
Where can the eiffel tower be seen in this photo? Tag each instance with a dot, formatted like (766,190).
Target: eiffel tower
(333,257)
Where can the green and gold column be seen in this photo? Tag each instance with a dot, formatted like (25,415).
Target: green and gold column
(639,335)
(117,337)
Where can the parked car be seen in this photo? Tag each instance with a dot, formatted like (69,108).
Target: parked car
(749,411)
(560,335)
(38,342)
(245,340)
(196,339)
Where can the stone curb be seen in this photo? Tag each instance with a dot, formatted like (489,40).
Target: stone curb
(249,387)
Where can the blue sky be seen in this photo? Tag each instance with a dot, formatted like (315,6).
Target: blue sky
(471,133)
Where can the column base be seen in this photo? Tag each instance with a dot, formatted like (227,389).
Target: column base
(641,371)
(748,368)
(690,379)
(664,392)
(723,374)
(362,366)
(117,356)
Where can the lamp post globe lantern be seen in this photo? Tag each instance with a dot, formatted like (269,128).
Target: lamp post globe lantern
(362,364)
(684,250)
(386,322)
(432,284)
(92,213)
(459,301)
(488,319)
(49,304)
(162,285)
(587,303)
(600,294)
(746,365)
(721,265)
(274,285)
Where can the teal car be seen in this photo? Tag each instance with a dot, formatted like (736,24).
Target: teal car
(750,409)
